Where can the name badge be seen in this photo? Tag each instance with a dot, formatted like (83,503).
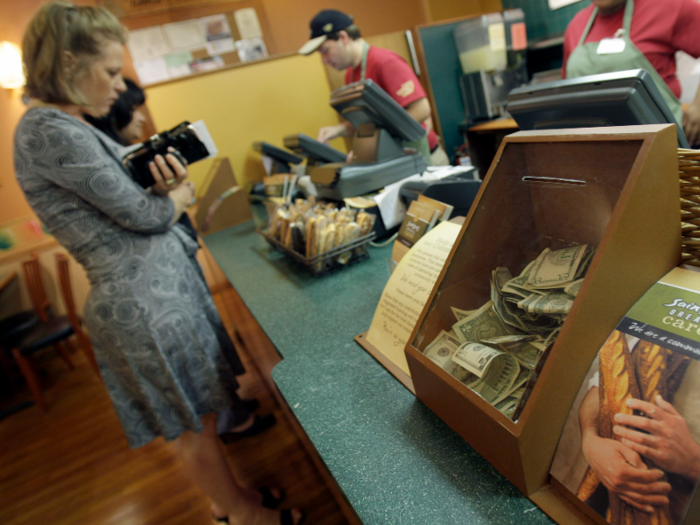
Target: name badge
(610,46)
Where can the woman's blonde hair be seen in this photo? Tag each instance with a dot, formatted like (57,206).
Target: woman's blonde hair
(59,27)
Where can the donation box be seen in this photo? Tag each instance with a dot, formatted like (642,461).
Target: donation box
(608,195)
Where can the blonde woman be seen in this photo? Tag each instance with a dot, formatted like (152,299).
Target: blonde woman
(164,356)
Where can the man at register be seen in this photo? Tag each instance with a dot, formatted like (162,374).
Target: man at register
(617,35)
(338,40)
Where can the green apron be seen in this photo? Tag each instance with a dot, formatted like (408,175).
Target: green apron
(585,60)
(421,145)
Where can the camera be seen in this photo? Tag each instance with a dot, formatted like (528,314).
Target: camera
(182,137)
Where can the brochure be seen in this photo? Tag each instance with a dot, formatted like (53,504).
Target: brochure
(630,449)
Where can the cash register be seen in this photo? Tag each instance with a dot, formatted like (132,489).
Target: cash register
(282,160)
(315,152)
(382,130)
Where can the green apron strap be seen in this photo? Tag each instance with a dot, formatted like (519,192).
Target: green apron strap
(627,18)
(588,26)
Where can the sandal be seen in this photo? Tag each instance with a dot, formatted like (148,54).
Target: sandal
(260,424)
(269,501)
(287,519)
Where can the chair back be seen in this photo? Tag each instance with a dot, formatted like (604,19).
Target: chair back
(35,285)
(67,291)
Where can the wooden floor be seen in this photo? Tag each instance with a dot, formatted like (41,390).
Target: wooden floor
(72,466)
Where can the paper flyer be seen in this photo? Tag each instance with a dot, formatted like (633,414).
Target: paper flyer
(630,449)
(217,33)
(408,290)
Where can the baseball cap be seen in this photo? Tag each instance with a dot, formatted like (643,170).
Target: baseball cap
(324,23)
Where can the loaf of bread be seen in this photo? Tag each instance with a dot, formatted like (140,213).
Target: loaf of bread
(650,362)
(311,238)
(677,364)
(617,373)
(625,377)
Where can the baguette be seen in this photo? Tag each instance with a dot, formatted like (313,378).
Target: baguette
(298,243)
(617,371)
(619,384)
(311,238)
(321,226)
(650,363)
(675,371)
(284,228)
(288,238)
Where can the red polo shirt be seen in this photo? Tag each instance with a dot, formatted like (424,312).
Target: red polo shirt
(659,29)
(393,75)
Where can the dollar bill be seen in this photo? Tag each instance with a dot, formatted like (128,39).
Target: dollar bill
(441,350)
(497,382)
(527,353)
(508,339)
(476,357)
(550,338)
(586,261)
(556,302)
(502,344)
(520,381)
(499,277)
(555,269)
(507,406)
(516,286)
(480,325)
(460,373)
(504,312)
(461,314)
(573,288)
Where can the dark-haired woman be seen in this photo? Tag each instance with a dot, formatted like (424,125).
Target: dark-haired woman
(125,120)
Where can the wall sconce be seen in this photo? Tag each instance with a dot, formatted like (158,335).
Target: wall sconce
(11,74)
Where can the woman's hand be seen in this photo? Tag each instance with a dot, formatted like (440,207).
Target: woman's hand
(168,172)
(182,197)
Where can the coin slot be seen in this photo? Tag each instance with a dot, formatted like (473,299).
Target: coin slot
(554,180)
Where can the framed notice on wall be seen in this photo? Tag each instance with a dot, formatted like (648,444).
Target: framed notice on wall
(171,39)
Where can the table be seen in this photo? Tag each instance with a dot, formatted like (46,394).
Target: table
(6,279)
(395,461)
(484,140)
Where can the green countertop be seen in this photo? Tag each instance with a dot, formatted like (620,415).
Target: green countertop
(393,458)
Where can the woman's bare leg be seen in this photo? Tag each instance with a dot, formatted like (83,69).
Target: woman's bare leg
(206,464)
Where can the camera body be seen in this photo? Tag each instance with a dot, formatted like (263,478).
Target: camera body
(182,137)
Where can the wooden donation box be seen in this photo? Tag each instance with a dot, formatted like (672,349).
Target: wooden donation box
(615,189)
(221,203)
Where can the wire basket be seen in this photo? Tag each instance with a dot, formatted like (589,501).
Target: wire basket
(327,261)
(689,173)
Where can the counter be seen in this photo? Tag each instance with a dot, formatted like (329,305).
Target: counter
(395,461)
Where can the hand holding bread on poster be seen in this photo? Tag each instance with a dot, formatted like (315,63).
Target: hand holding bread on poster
(631,437)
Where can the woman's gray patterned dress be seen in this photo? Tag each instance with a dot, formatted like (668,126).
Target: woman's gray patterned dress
(163,352)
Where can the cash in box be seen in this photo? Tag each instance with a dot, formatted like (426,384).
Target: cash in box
(614,188)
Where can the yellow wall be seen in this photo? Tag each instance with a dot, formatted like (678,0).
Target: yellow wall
(255,102)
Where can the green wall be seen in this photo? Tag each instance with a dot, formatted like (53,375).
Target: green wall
(541,21)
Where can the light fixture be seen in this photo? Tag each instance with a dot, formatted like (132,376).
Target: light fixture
(11,75)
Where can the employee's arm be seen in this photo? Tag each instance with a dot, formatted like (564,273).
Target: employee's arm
(420,111)
(691,121)
(344,129)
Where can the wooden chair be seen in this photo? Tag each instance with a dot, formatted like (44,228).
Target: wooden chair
(50,331)
(75,321)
